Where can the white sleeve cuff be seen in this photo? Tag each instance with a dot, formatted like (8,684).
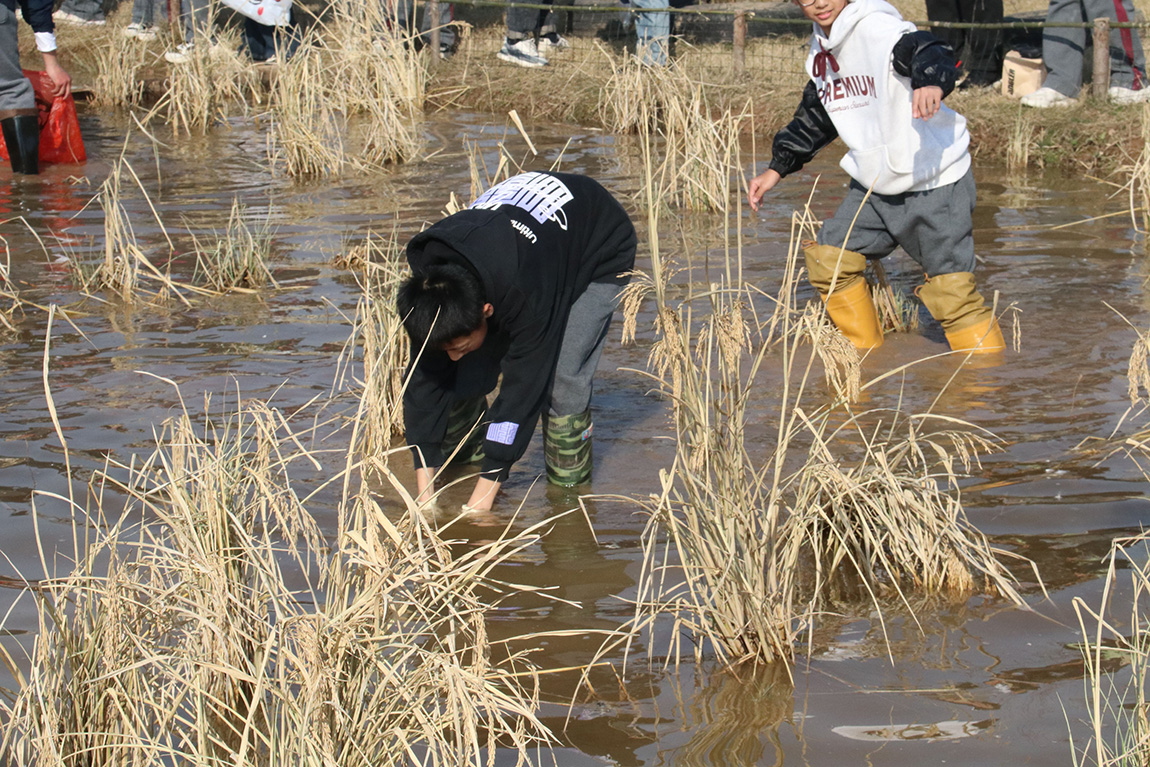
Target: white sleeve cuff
(46,42)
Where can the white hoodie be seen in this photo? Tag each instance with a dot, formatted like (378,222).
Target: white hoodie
(870,105)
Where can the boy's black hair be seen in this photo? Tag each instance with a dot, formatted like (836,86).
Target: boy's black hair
(440,303)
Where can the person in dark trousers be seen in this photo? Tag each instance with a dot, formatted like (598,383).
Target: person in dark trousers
(979,51)
(521,286)
(19,118)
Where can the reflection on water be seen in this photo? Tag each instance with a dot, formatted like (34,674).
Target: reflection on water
(869,690)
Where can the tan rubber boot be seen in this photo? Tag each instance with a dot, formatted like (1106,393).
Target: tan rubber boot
(850,306)
(953,300)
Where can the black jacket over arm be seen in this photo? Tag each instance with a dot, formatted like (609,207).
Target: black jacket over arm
(38,13)
(532,271)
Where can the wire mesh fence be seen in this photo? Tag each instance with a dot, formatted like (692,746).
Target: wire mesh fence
(768,41)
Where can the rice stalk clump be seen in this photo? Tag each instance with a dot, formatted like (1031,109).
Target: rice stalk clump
(892,519)
(351,97)
(760,522)
(1116,651)
(119,62)
(10,300)
(710,543)
(1021,141)
(205,89)
(674,116)
(124,269)
(1138,180)
(381,347)
(224,628)
(307,133)
(238,258)
(119,270)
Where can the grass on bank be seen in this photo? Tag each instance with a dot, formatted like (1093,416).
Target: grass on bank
(1098,138)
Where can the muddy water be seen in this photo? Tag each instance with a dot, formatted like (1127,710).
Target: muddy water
(982,683)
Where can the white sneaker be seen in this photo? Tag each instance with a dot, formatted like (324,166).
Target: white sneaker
(546,44)
(182,55)
(1047,97)
(140,32)
(80,21)
(1119,95)
(524,53)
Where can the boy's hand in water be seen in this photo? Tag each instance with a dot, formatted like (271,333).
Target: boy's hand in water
(760,185)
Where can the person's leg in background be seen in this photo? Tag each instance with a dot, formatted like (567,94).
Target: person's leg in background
(81,12)
(260,40)
(446,29)
(1127,63)
(519,48)
(143,23)
(548,27)
(983,55)
(197,17)
(1064,47)
(653,31)
(18,115)
(948,11)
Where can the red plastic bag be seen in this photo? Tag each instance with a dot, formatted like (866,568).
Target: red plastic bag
(60,139)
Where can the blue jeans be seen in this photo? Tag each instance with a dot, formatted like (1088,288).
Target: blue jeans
(196,15)
(654,32)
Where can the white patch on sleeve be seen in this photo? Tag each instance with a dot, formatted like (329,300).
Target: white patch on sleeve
(503,432)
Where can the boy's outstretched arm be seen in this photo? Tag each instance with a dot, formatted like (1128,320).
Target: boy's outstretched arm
(809,131)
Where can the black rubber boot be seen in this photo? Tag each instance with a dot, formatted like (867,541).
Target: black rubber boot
(22,137)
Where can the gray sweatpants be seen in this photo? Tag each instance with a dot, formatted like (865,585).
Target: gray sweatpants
(583,343)
(16,95)
(1063,48)
(525,22)
(934,227)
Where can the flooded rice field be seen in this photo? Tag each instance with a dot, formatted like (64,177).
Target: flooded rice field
(978,683)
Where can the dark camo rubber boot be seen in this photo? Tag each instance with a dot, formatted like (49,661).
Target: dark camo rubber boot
(567,448)
(465,429)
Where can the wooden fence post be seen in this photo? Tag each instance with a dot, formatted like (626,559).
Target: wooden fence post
(740,39)
(432,12)
(1101,81)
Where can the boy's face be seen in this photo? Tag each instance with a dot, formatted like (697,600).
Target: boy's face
(822,12)
(459,346)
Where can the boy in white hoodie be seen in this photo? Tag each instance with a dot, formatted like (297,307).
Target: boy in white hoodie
(878,83)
